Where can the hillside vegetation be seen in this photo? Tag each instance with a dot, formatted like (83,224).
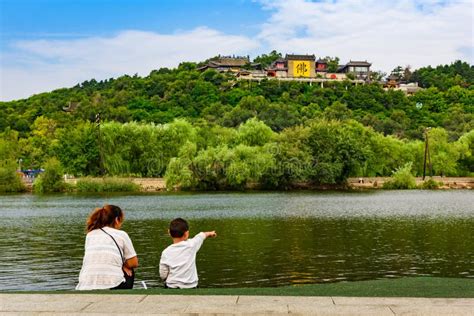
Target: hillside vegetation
(208,130)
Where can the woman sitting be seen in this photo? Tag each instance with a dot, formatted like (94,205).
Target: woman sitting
(109,257)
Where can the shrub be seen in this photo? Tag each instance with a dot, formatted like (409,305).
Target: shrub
(9,179)
(430,184)
(51,180)
(254,133)
(401,179)
(84,185)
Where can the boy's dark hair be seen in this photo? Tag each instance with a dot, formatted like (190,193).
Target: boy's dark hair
(178,227)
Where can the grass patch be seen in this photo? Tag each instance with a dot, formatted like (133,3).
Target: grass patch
(402,287)
(430,184)
(88,185)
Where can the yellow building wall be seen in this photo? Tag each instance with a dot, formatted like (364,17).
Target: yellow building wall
(301,68)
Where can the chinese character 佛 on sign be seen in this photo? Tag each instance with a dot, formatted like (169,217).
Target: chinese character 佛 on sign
(301,69)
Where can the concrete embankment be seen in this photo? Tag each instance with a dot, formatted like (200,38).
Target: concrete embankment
(109,304)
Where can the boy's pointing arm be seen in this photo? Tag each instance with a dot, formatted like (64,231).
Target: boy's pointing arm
(199,239)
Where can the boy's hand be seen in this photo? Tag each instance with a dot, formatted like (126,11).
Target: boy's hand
(211,234)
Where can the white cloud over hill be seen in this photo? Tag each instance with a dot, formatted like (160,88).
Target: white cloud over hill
(386,33)
(44,65)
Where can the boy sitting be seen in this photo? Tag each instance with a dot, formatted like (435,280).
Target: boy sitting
(178,261)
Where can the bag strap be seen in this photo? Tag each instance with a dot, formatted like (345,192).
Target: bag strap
(120,251)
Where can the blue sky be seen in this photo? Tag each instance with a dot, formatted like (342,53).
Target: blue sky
(49,44)
(30,19)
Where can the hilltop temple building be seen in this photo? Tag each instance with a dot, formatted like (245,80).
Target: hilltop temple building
(227,63)
(304,68)
(360,69)
(292,67)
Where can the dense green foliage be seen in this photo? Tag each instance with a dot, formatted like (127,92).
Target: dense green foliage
(430,184)
(266,60)
(401,179)
(51,180)
(9,179)
(208,130)
(219,98)
(444,77)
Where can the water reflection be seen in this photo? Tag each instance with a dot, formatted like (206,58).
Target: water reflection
(265,239)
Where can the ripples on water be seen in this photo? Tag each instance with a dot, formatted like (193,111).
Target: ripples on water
(265,239)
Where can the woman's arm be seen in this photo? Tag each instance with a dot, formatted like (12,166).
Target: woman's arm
(131,263)
(129,252)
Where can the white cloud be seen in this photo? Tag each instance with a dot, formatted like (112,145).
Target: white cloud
(43,65)
(387,33)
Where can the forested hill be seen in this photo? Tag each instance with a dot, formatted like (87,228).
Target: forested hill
(207,130)
(184,92)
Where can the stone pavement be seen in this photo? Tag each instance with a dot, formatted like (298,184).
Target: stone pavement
(106,304)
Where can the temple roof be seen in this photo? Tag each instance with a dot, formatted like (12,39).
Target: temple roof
(358,63)
(230,61)
(300,57)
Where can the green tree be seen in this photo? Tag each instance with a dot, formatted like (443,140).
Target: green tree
(51,180)
(254,133)
(266,60)
(9,145)
(466,149)
(397,71)
(42,140)
(333,63)
(179,173)
(444,77)
(444,155)
(338,150)
(78,149)
(292,156)
(10,181)
(337,111)
(247,165)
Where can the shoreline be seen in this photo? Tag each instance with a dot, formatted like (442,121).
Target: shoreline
(360,183)
(158,185)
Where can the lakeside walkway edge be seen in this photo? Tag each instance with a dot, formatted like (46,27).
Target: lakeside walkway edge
(125,304)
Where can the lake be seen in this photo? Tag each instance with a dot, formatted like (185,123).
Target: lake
(265,239)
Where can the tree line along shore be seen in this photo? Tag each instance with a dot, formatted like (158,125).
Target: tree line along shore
(202,130)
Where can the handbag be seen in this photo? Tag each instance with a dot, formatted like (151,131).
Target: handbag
(129,279)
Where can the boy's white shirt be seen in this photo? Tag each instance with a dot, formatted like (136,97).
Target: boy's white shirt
(178,263)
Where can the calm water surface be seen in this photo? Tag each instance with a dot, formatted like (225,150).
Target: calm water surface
(265,239)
